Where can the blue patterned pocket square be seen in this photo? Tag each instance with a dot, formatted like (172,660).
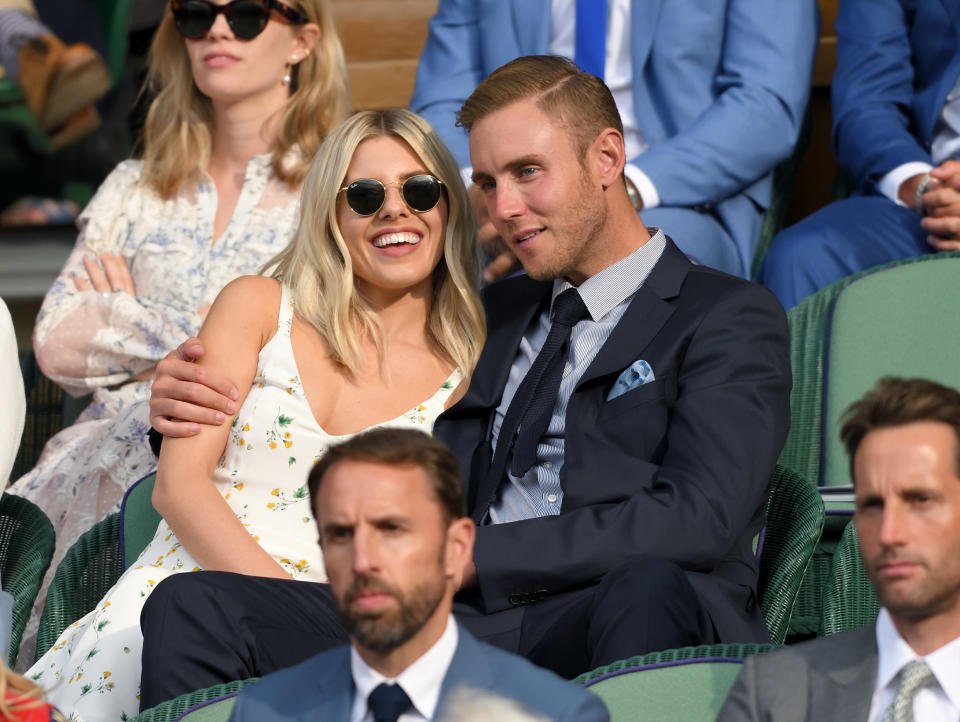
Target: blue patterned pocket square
(637,375)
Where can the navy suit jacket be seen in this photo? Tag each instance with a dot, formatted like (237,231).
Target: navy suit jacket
(322,687)
(719,89)
(897,60)
(677,469)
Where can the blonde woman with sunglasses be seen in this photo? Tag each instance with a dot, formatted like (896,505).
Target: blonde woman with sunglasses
(245,93)
(370,318)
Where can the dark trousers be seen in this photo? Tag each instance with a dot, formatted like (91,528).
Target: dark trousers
(207,628)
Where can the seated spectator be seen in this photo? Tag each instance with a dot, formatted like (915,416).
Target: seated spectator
(389,508)
(241,107)
(618,518)
(903,439)
(59,82)
(370,319)
(896,120)
(712,97)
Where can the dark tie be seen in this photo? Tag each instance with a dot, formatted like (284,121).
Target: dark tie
(532,404)
(387,702)
(590,36)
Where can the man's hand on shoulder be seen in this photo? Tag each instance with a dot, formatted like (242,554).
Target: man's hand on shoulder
(186,395)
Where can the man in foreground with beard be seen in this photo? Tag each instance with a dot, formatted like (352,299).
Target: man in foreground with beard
(390,512)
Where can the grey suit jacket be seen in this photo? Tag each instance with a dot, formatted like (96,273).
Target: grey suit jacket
(824,679)
(321,689)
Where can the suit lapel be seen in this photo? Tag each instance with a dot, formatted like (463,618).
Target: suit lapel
(333,687)
(644,317)
(644,16)
(532,25)
(508,319)
(852,681)
(469,667)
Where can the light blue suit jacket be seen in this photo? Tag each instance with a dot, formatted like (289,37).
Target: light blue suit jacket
(897,60)
(322,687)
(719,89)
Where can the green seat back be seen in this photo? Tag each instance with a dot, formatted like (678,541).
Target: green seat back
(810,334)
(690,683)
(88,570)
(692,691)
(848,599)
(792,527)
(26,547)
(139,520)
(902,321)
(212,704)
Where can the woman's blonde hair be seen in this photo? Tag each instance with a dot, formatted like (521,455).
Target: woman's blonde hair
(316,266)
(177,132)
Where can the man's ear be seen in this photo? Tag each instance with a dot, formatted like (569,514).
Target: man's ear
(609,156)
(459,547)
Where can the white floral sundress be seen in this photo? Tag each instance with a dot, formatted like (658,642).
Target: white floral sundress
(87,342)
(92,672)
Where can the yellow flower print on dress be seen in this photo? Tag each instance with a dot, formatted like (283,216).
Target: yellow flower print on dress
(278,432)
(284,500)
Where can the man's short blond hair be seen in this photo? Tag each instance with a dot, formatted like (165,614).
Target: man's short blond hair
(577,101)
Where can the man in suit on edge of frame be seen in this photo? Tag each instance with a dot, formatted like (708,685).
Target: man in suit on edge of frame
(637,482)
(903,439)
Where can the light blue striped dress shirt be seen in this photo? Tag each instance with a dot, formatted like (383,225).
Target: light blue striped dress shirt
(606,296)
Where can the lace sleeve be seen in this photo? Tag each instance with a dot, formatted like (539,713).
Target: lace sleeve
(84,340)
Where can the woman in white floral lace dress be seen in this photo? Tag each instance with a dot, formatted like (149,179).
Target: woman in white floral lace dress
(228,140)
(371,319)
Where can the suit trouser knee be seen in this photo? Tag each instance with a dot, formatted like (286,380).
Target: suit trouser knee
(644,606)
(206,628)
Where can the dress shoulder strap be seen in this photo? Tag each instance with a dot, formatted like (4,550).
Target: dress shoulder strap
(285,317)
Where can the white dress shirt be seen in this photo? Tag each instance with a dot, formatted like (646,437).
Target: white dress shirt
(945,146)
(935,702)
(421,680)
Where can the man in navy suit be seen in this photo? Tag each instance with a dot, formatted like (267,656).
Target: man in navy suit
(712,96)
(617,517)
(896,129)
(389,508)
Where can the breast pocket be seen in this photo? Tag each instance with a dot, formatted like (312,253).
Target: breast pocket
(659,392)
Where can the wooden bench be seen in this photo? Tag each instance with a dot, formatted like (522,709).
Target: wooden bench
(382,40)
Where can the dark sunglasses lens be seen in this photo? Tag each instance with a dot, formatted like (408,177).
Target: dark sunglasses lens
(365,197)
(421,192)
(193,19)
(247,18)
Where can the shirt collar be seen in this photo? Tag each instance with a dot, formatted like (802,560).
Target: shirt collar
(894,652)
(606,290)
(421,681)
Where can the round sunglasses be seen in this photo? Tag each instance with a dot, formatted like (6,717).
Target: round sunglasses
(365,196)
(246,18)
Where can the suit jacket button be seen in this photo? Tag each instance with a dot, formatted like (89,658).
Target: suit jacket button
(541,594)
(514,600)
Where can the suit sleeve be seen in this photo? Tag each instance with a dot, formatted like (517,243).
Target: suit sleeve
(763,84)
(872,91)
(449,70)
(721,437)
